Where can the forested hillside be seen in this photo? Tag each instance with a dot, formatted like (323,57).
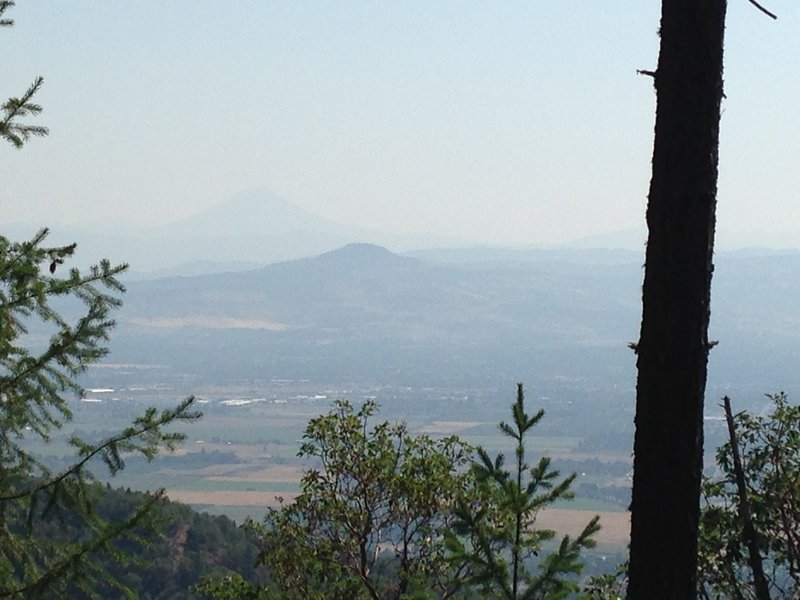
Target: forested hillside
(164,561)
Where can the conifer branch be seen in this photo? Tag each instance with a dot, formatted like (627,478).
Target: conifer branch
(108,449)
(4,6)
(16,133)
(75,560)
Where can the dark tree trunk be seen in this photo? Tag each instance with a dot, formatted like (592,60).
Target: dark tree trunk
(673,345)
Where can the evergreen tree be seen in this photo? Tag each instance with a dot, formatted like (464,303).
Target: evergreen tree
(495,534)
(35,387)
(14,109)
(36,382)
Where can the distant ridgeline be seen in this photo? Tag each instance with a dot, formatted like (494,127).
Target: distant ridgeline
(451,318)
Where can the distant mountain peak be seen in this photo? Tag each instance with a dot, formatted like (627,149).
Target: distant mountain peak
(364,253)
(358,250)
(256,211)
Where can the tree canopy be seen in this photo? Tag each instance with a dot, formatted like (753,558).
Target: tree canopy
(769,446)
(385,515)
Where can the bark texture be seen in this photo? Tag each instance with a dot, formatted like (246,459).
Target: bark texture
(673,344)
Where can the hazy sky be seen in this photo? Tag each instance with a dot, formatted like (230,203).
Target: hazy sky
(505,122)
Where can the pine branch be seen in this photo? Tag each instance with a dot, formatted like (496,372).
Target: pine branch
(17,134)
(76,559)
(4,6)
(108,449)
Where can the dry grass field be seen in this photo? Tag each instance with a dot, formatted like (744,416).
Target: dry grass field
(615,525)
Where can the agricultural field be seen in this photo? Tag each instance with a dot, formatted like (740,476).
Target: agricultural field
(241,457)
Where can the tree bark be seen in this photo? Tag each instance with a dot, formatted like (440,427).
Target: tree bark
(673,344)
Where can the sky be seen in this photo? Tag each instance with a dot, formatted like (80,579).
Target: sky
(505,123)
